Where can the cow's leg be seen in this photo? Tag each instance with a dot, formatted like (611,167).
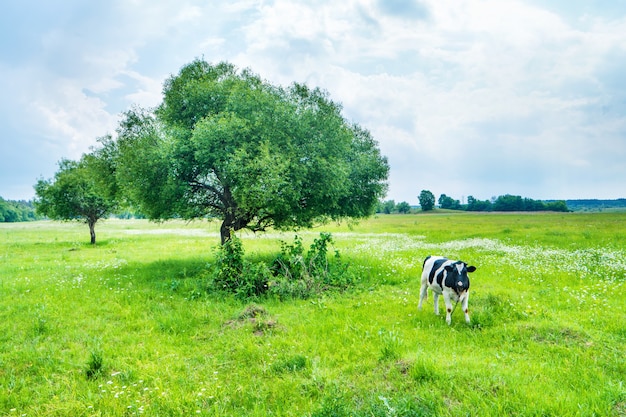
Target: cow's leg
(423,294)
(446,299)
(436,302)
(465,308)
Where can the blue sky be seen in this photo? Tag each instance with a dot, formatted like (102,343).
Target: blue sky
(465,97)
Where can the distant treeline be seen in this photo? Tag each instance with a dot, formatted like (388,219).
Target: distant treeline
(596,205)
(502,203)
(17,211)
(511,203)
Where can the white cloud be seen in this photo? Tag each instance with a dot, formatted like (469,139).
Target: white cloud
(72,119)
(148,90)
(472,97)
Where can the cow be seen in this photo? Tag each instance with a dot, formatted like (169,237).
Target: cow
(448,278)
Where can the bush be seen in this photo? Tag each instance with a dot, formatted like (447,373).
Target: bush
(236,275)
(294,273)
(301,275)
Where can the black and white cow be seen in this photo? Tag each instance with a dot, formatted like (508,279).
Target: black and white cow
(448,278)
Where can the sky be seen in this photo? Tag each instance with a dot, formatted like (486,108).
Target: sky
(465,97)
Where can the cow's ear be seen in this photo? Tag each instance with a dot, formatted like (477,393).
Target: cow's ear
(471,268)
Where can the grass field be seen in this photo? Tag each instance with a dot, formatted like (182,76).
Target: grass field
(127,328)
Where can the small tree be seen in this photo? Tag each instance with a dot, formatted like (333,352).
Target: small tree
(446,202)
(79,191)
(427,200)
(477,205)
(403,207)
(389,206)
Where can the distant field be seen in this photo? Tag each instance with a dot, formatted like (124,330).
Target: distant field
(126,328)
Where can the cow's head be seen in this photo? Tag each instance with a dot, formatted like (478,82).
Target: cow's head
(456,277)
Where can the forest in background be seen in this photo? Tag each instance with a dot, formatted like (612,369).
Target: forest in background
(503,203)
(596,205)
(21,211)
(17,211)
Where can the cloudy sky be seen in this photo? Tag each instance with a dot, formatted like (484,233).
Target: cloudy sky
(465,97)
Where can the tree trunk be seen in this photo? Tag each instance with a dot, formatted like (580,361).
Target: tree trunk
(225,231)
(92,231)
(231,224)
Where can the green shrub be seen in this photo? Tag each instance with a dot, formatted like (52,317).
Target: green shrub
(95,365)
(229,265)
(236,275)
(300,274)
(294,273)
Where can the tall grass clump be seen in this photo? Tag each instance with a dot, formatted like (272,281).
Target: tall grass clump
(290,364)
(391,344)
(95,365)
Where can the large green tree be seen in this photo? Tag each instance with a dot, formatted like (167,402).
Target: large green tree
(83,190)
(226,144)
(426,200)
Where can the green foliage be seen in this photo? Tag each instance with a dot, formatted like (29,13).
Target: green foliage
(291,259)
(17,211)
(426,200)
(143,169)
(234,274)
(403,207)
(390,206)
(595,205)
(300,274)
(515,203)
(449,203)
(229,145)
(508,203)
(294,273)
(387,207)
(40,327)
(556,206)
(79,191)
(474,204)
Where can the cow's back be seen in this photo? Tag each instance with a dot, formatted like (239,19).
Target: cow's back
(431,265)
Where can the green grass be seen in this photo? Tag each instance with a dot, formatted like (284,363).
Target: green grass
(127,328)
